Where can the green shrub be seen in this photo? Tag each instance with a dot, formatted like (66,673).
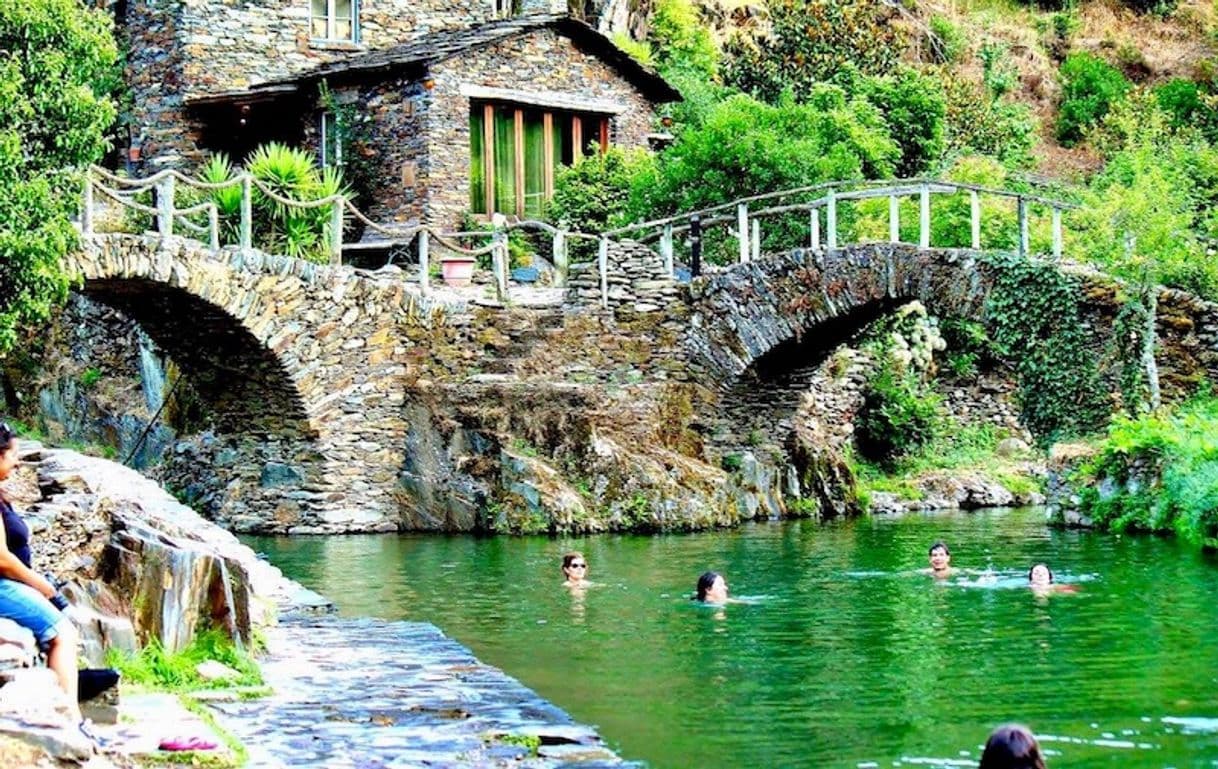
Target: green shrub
(915,108)
(90,377)
(1090,86)
(594,194)
(899,414)
(814,41)
(746,147)
(978,123)
(947,41)
(680,41)
(1160,473)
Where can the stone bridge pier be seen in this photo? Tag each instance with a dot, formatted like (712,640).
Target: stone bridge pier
(302,370)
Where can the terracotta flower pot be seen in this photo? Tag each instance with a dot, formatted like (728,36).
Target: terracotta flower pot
(457,270)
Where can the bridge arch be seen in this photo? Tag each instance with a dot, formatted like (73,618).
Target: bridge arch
(214,323)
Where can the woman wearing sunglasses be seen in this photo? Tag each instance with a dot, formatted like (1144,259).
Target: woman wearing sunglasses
(25,596)
(575,570)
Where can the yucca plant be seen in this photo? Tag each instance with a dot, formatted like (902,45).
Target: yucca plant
(217,170)
(292,174)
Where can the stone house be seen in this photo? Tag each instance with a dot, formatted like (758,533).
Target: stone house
(451,106)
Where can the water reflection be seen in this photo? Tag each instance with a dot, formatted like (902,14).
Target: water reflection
(850,656)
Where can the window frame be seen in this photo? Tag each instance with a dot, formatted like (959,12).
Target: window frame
(328,124)
(331,22)
(573,121)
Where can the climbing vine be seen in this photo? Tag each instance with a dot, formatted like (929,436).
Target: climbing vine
(1032,314)
(1128,332)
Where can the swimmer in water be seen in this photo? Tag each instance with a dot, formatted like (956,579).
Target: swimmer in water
(1011,747)
(940,560)
(1040,579)
(575,570)
(712,589)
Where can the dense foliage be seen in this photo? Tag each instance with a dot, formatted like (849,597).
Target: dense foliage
(1032,315)
(57,70)
(814,41)
(1157,472)
(1090,86)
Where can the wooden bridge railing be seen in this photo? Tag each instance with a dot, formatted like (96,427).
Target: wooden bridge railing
(746,214)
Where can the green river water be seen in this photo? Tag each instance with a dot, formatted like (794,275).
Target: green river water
(847,656)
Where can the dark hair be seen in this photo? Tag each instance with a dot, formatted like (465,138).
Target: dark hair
(938,544)
(1011,746)
(571,556)
(7,436)
(1032,568)
(705,583)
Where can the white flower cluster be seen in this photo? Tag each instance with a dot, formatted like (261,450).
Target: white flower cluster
(915,338)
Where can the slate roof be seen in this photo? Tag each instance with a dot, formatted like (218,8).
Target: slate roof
(415,56)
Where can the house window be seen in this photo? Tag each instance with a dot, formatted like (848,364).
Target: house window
(334,20)
(515,150)
(331,143)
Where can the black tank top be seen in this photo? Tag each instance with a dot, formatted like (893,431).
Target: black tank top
(16,533)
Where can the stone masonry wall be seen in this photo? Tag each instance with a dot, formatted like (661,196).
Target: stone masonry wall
(542,62)
(188,48)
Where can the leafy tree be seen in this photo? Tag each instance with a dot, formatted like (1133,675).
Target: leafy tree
(1090,86)
(57,70)
(914,107)
(813,41)
(594,194)
(680,41)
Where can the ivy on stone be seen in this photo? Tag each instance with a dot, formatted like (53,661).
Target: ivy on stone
(1032,314)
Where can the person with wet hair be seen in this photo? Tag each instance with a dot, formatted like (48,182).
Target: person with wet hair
(26,597)
(1040,579)
(1011,746)
(575,569)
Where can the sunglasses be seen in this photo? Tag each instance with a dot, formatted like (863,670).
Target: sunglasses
(578,566)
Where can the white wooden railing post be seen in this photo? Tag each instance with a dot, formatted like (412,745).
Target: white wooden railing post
(558,250)
(86,213)
(336,231)
(602,262)
(742,230)
(213,227)
(924,217)
(247,211)
(831,218)
(1057,233)
(814,221)
(164,205)
(499,262)
(666,249)
(424,261)
(894,219)
(1022,209)
(756,239)
(974,201)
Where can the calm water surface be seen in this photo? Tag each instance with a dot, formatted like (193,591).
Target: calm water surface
(848,657)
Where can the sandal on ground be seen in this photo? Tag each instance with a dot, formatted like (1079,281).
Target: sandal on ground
(187,743)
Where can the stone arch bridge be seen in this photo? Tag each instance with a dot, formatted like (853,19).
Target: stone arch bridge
(325,383)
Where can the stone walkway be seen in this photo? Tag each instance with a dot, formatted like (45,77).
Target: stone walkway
(368,694)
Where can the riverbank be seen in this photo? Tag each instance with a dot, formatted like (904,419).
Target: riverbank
(142,565)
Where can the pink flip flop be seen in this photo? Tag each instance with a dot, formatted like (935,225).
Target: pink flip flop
(187,743)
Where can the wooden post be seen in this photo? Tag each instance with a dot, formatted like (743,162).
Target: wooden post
(695,246)
(86,213)
(558,250)
(924,217)
(336,231)
(247,211)
(831,219)
(975,217)
(213,227)
(756,240)
(1022,209)
(814,221)
(742,230)
(602,260)
(424,261)
(666,249)
(164,205)
(1057,233)
(894,219)
(499,260)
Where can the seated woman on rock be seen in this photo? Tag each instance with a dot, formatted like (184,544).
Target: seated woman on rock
(25,596)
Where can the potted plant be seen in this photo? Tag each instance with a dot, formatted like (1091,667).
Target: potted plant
(458,269)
